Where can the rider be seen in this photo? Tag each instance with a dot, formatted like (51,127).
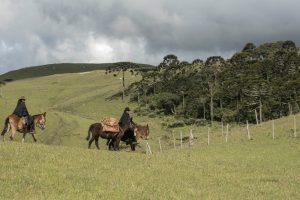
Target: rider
(21,111)
(125,118)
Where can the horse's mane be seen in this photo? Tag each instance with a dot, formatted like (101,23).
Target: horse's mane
(36,115)
(137,125)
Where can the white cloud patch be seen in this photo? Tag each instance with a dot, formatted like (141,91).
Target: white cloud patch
(35,32)
(99,50)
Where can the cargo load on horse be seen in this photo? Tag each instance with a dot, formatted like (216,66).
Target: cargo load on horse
(110,128)
(110,124)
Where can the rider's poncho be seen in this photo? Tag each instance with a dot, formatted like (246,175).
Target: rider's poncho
(125,119)
(21,110)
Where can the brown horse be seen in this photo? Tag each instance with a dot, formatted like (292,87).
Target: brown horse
(96,131)
(125,134)
(14,123)
(141,131)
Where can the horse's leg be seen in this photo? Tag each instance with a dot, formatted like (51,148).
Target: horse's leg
(33,136)
(13,132)
(116,143)
(96,141)
(6,128)
(3,134)
(107,142)
(132,146)
(111,144)
(91,141)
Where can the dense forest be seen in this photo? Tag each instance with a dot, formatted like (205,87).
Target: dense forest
(256,84)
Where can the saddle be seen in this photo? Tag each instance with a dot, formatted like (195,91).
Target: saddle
(110,124)
(21,123)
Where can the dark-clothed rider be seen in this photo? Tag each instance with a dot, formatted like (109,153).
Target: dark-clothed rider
(21,111)
(125,118)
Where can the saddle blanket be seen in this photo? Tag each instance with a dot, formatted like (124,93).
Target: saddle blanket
(110,124)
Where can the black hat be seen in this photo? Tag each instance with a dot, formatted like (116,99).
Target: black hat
(22,98)
(127,109)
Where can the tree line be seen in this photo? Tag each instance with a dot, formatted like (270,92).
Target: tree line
(255,84)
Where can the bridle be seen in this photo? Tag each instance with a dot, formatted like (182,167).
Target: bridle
(39,123)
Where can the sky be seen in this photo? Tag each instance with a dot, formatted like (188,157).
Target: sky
(37,32)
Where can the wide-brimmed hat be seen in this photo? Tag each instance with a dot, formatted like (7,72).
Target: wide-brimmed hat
(22,98)
(127,109)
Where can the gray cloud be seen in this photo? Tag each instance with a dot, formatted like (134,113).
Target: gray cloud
(49,31)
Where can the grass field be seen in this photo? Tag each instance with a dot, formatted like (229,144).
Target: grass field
(60,166)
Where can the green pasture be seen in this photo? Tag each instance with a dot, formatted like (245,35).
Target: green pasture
(60,166)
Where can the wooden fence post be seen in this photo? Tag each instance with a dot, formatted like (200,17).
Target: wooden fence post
(149,149)
(290,108)
(256,117)
(191,138)
(273,129)
(222,129)
(181,139)
(208,132)
(174,140)
(260,111)
(159,145)
(295,126)
(227,129)
(248,131)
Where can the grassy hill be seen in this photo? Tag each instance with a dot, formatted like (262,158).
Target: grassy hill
(60,166)
(60,68)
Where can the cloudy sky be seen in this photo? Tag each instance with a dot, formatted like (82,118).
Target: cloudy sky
(35,32)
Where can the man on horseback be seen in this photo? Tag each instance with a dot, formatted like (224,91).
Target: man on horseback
(21,111)
(125,118)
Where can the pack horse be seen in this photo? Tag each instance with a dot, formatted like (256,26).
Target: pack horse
(110,129)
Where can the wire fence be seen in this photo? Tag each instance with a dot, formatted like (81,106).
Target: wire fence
(223,134)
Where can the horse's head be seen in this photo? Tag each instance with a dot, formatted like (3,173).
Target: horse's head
(142,131)
(40,120)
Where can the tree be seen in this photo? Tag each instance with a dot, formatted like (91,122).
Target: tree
(213,67)
(165,102)
(168,67)
(263,78)
(122,67)
(249,47)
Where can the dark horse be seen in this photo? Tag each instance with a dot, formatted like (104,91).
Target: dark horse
(15,123)
(126,134)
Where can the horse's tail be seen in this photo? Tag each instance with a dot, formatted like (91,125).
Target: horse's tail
(89,132)
(6,126)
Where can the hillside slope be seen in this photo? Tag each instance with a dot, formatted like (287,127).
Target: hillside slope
(72,101)
(60,166)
